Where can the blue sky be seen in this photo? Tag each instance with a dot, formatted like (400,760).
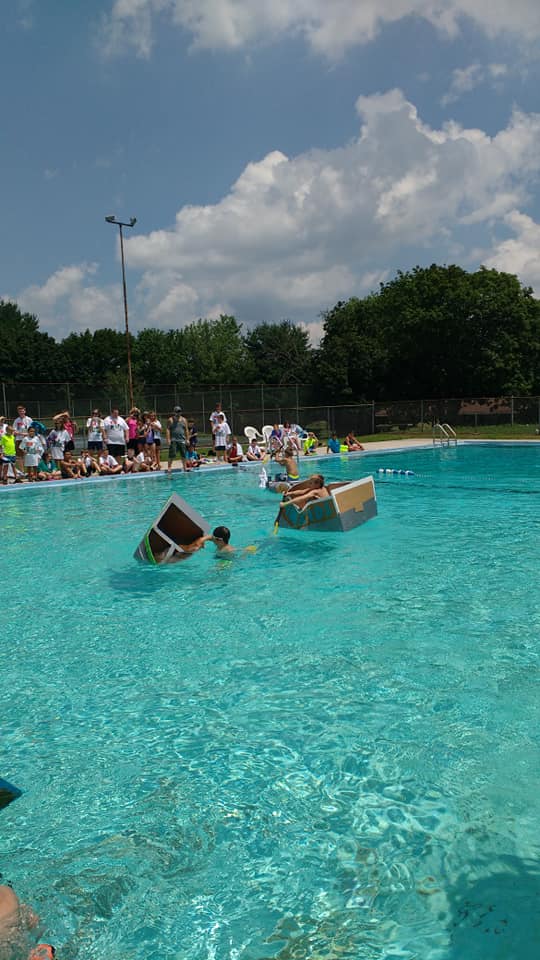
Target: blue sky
(279,155)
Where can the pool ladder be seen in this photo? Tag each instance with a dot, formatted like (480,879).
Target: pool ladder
(444,434)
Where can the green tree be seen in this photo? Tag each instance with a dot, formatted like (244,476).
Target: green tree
(88,357)
(215,352)
(26,354)
(159,356)
(434,332)
(280,353)
(352,358)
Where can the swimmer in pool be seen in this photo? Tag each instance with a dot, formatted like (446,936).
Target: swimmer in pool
(287,459)
(15,921)
(219,537)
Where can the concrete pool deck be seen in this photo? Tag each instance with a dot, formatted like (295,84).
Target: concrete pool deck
(370,447)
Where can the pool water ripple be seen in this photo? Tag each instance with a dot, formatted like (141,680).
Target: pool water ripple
(328,748)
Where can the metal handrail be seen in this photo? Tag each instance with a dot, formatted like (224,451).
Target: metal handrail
(450,430)
(447,434)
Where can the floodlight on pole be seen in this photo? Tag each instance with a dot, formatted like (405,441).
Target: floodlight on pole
(119,223)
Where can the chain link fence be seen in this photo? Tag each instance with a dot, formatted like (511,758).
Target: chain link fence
(268,404)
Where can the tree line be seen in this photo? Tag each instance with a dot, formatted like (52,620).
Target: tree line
(431,332)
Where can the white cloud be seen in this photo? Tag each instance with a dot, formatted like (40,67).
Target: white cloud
(26,15)
(330,27)
(519,254)
(68,302)
(467,78)
(296,234)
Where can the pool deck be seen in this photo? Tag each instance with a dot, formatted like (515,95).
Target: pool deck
(371,447)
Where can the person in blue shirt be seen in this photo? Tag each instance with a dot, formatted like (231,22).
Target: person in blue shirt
(333,444)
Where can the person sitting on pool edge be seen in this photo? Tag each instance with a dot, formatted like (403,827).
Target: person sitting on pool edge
(352,443)
(193,459)
(233,452)
(253,451)
(318,491)
(333,445)
(310,444)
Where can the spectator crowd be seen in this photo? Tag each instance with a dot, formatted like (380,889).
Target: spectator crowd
(133,444)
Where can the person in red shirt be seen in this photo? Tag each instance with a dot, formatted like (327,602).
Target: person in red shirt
(234,454)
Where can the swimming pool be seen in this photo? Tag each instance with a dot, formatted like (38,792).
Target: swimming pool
(328,748)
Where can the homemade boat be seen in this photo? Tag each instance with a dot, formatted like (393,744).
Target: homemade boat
(348,505)
(176,527)
(8,793)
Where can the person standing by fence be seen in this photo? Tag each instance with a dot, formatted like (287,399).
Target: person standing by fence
(116,433)
(20,429)
(95,429)
(177,438)
(214,420)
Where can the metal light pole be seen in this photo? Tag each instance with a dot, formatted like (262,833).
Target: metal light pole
(120,224)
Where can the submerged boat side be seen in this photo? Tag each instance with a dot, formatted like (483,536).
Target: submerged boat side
(177,524)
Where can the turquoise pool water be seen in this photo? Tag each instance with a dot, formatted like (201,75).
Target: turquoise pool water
(326,749)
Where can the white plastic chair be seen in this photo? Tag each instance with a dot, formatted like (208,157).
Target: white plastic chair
(253,435)
(266,432)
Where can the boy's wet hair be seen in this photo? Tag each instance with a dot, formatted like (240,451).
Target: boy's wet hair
(222,533)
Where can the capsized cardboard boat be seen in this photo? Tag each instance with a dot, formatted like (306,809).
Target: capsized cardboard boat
(177,526)
(8,792)
(348,505)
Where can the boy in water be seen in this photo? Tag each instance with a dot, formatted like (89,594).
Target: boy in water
(219,537)
(16,920)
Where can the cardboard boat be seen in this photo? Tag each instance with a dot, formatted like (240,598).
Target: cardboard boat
(177,525)
(348,505)
(8,792)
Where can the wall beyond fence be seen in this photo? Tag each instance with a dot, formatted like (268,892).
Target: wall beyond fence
(271,403)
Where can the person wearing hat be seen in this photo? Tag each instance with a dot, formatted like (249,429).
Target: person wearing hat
(177,438)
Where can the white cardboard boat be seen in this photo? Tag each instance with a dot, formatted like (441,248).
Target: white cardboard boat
(348,505)
(176,527)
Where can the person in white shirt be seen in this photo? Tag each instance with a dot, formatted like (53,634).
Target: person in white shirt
(138,463)
(214,420)
(33,448)
(290,436)
(107,463)
(222,432)
(57,440)
(253,451)
(95,427)
(20,429)
(116,433)
(156,428)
